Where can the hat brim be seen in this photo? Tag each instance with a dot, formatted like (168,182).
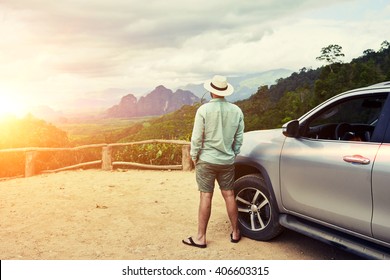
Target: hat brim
(226,92)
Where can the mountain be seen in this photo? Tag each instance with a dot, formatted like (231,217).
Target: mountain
(245,85)
(158,102)
(94,104)
(289,98)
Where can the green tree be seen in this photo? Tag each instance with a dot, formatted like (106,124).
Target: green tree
(331,54)
(368,52)
(384,46)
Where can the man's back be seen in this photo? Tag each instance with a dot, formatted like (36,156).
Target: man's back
(218,131)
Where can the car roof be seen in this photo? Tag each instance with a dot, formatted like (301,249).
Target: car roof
(383,84)
(378,86)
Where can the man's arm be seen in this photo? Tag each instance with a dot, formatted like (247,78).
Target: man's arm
(239,137)
(197,136)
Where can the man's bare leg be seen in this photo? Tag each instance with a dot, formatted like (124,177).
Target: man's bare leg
(231,207)
(204,215)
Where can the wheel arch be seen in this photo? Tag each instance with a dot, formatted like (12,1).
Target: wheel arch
(258,215)
(243,168)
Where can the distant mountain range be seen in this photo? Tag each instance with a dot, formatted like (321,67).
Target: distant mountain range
(245,85)
(159,101)
(162,100)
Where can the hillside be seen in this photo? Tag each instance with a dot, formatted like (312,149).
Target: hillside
(176,125)
(295,95)
(162,101)
(289,98)
(270,107)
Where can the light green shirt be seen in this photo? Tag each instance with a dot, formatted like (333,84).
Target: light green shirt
(218,132)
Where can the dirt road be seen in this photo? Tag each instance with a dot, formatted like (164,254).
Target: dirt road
(127,215)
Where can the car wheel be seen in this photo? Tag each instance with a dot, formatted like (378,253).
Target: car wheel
(257,214)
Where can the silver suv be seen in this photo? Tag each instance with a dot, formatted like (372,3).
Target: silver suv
(325,175)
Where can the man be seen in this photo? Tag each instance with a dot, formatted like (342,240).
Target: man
(216,140)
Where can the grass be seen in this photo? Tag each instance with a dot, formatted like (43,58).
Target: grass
(83,130)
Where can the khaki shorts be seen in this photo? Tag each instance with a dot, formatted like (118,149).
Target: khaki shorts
(208,173)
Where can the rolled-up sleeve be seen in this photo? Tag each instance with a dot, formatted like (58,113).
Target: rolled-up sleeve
(197,135)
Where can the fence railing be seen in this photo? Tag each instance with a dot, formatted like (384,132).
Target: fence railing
(106,162)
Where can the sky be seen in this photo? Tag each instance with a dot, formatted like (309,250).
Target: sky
(54,52)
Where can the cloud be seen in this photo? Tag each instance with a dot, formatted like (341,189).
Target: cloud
(57,49)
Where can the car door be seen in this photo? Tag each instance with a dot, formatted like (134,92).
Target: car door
(325,175)
(381,194)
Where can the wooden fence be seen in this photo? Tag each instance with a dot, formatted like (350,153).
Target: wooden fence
(106,161)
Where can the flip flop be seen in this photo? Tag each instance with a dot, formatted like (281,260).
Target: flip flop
(234,240)
(192,243)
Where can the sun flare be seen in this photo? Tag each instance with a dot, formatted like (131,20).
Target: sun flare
(10,105)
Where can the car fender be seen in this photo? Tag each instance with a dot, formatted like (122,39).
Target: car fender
(260,154)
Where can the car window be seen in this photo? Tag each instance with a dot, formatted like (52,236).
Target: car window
(350,120)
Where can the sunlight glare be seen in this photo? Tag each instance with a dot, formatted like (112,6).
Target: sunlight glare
(10,105)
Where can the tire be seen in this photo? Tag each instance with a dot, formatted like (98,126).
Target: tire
(258,217)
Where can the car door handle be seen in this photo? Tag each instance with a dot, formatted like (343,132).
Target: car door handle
(356,159)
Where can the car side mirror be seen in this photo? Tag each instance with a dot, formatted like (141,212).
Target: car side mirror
(291,129)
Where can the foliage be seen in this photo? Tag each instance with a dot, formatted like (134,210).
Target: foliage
(26,132)
(30,132)
(176,125)
(269,107)
(155,154)
(292,96)
(102,131)
(331,54)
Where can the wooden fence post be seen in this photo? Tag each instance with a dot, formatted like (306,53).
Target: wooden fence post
(186,158)
(106,161)
(106,158)
(29,167)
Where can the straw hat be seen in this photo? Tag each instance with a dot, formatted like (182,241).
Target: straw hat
(219,86)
